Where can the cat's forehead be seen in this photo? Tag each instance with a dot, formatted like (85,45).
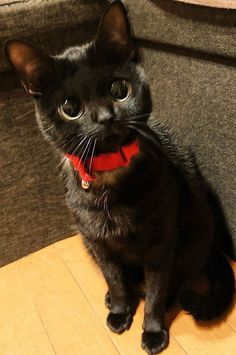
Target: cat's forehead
(86,78)
(87,74)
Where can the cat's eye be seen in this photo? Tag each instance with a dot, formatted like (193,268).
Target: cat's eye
(120,89)
(71,109)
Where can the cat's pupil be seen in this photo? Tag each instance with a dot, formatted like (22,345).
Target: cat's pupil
(71,107)
(120,89)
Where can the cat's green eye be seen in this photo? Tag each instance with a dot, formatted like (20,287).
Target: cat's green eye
(120,89)
(70,109)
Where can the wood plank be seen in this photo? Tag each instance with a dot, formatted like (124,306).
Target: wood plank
(69,320)
(217,340)
(53,302)
(93,285)
(21,330)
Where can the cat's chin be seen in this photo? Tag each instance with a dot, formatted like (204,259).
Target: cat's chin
(113,143)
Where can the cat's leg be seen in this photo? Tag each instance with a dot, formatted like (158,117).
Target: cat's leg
(133,276)
(174,288)
(155,337)
(121,311)
(108,300)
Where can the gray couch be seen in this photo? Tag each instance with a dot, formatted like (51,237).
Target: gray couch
(189,55)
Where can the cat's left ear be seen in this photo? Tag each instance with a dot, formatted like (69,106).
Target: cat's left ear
(34,68)
(114,39)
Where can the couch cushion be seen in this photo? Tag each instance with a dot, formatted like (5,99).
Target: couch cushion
(37,20)
(200,28)
(32,207)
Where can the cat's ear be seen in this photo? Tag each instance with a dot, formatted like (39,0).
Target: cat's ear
(34,68)
(114,38)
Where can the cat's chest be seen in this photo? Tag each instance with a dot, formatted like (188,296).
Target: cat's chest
(102,216)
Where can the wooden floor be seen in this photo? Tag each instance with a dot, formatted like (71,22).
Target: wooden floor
(52,302)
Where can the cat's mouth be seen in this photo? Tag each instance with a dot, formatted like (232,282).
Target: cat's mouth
(113,142)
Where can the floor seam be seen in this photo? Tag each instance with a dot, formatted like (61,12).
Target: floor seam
(177,341)
(91,307)
(36,308)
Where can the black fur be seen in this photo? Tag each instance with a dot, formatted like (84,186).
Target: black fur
(213,304)
(152,223)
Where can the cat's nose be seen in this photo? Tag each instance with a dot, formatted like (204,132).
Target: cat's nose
(105,116)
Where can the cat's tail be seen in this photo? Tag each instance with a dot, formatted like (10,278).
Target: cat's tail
(220,296)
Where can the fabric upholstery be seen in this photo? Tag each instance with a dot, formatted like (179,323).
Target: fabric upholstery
(32,208)
(229,4)
(188,56)
(199,28)
(43,22)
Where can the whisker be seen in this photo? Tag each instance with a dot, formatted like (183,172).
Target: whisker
(79,145)
(82,149)
(151,139)
(145,135)
(91,159)
(76,147)
(86,156)
(92,134)
(82,145)
(84,152)
(103,195)
(106,205)
(45,130)
(142,115)
(137,122)
(70,141)
(63,160)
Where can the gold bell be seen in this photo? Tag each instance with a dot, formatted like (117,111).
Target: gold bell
(85,185)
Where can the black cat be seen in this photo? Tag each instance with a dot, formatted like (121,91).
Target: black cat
(139,200)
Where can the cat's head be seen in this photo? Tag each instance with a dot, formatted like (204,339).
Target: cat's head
(90,96)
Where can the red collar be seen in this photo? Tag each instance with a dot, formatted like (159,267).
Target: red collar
(104,162)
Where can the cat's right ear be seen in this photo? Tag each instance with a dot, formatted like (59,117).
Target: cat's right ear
(34,68)
(114,40)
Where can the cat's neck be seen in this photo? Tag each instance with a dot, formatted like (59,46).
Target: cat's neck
(104,168)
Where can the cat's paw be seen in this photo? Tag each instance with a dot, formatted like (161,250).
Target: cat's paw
(108,300)
(119,322)
(155,342)
(133,304)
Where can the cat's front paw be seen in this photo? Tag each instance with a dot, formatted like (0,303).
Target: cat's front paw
(155,342)
(133,304)
(119,322)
